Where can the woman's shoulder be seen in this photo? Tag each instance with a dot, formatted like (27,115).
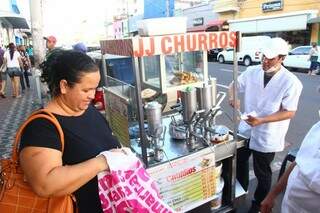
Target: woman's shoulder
(41,133)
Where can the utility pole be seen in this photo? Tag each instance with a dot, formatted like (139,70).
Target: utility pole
(36,30)
(38,44)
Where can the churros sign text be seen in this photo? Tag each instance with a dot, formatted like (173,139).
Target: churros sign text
(169,44)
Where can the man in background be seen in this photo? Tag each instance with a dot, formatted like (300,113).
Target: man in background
(51,42)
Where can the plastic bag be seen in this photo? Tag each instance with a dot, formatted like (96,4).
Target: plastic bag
(128,187)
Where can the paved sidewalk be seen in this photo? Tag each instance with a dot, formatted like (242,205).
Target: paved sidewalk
(13,111)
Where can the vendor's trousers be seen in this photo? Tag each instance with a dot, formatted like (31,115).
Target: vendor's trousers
(262,170)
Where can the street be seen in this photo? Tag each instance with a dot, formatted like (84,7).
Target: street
(305,117)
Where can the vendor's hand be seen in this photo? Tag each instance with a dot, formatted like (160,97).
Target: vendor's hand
(234,104)
(267,204)
(254,121)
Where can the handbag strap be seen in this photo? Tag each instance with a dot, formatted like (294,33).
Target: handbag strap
(42,113)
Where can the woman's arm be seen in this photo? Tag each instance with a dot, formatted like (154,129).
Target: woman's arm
(48,177)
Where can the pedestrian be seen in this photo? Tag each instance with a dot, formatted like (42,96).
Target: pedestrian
(81,47)
(51,42)
(271,95)
(13,61)
(72,78)
(26,64)
(301,181)
(313,58)
(3,74)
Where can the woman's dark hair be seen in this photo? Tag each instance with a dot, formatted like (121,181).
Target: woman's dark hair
(68,65)
(11,50)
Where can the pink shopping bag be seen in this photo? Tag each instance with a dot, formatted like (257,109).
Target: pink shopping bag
(128,187)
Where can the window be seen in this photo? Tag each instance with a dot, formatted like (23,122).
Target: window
(301,51)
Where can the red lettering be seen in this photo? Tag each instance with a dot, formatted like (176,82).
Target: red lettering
(223,39)
(104,201)
(191,45)
(202,41)
(102,183)
(113,196)
(127,190)
(150,52)
(150,200)
(178,42)
(156,208)
(164,48)
(143,196)
(139,52)
(138,191)
(233,39)
(128,174)
(212,40)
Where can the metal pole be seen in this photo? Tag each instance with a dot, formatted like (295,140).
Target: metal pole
(235,126)
(143,139)
(38,42)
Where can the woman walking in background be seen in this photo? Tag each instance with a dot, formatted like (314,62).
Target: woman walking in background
(313,57)
(26,65)
(3,74)
(13,60)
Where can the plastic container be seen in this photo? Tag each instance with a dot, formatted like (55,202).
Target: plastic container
(217,200)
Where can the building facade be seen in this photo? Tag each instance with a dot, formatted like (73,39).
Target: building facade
(11,23)
(294,20)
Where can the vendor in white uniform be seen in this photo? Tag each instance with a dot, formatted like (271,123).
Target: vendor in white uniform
(271,95)
(301,180)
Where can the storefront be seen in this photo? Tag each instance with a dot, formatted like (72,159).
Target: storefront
(295,21)
(292,27)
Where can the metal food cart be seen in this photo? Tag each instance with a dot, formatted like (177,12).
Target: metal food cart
(180,144)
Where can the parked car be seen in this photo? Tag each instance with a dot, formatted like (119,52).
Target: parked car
(213,53)
(251,48)
(298,58)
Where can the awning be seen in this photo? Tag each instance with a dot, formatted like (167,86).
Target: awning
(276,23)
(211,23)
(16,21)
(314,20)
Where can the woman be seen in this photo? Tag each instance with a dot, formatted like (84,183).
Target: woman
(13,60)
(313,57)
(3,74)
(72,78)
(26,66)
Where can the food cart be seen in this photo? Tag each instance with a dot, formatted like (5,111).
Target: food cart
(183,148)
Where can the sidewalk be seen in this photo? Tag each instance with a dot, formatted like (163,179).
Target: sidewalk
(13,111)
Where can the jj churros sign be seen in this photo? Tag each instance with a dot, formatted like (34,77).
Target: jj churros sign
(170,44)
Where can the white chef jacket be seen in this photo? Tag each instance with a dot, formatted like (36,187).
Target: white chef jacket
(283,90)
(303,187)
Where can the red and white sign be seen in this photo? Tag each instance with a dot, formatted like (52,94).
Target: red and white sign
(169,44)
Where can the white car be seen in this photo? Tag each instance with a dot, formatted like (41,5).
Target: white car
(247,57)
(250,50)
(299,58)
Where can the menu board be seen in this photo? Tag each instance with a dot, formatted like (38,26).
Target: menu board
(117,116)
(187,182)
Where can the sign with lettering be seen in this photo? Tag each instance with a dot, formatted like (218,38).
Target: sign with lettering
(170,44)
(187,182)
(198,21)
(272,6)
